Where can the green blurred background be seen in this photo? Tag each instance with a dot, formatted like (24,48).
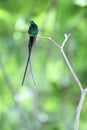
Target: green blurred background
(52,104)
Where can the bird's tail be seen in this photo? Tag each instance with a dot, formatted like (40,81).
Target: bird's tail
(32,73)
(28,61)
(32,40)
(25,69)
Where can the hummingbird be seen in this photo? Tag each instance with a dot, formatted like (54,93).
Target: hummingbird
(32,31)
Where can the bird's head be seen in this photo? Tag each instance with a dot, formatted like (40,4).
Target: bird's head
(32,22)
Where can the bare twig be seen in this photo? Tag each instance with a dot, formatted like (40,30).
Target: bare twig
(83,91)
(66,59)
(79,109)
(65,40)
(72,71)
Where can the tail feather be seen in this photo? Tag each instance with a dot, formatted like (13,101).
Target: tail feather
(31,42)
(25,70)
(32,73)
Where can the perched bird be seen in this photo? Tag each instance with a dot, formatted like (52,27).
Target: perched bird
(32,31)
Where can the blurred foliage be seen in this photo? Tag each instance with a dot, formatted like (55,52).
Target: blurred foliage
(52,104)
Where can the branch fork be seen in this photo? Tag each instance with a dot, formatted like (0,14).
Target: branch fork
(83,91)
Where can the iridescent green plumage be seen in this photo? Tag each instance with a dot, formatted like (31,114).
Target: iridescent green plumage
(32,31)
